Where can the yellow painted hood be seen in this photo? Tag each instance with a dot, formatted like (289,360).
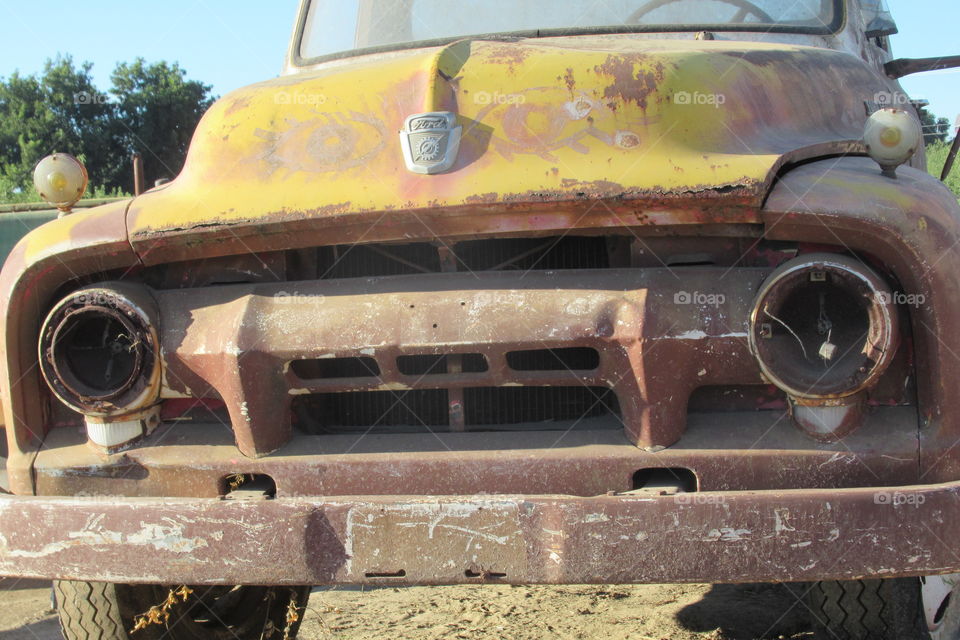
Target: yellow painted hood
(660,124)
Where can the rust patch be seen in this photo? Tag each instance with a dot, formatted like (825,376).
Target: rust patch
(482,198)
(508,55)
(635,78)
(569,81)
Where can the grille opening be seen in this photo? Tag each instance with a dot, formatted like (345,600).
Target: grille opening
(545,253)
(429,364)
(418,410)
(683,479)
(563,252)
(517,405)
(494,254)
(484,409)
(320,368)
(575,358)
(354,261)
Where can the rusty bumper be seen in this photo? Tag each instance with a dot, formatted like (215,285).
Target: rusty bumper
(710,536)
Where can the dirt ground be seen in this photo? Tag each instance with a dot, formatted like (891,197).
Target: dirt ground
(611,612)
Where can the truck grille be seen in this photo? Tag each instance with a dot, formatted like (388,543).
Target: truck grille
(517,254)
(423,410)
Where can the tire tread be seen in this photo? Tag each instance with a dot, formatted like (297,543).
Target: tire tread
(872,609)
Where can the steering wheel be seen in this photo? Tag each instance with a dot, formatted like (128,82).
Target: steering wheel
(746,8)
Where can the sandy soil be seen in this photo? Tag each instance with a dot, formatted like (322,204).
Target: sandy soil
(611,612)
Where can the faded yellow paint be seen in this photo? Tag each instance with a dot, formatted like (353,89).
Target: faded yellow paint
(542,121)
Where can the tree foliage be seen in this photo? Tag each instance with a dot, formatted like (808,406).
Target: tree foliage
(157,110)
(150,108)
(934,129)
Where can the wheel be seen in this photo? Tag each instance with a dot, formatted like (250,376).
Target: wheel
(892,609)
(104,611)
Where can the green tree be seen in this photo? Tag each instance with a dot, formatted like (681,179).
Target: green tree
(152,109)
(60,110)
(934,129)
(157,110)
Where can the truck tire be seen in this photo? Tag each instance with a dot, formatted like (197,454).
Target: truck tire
(105,611)
(868,609)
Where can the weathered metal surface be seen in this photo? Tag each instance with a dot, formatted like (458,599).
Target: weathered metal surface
(726,451)
(914,196)
(730,537)
(910,224)
(906,66)
(35,271)
(593,136)
(598,119)
(239,340)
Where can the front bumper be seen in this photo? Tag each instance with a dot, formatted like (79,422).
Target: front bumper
(792,535)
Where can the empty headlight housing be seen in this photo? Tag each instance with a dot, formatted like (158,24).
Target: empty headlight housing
(824,329)
(99,354)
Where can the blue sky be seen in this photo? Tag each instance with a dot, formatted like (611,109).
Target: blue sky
(231,43)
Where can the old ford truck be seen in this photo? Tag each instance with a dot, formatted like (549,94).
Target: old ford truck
(631,291)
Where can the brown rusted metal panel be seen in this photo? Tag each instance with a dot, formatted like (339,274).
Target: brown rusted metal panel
(734,451)
(910,224)
(239,340)
(731,537)
(38,266)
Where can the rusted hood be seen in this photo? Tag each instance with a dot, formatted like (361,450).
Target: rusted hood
(655,121)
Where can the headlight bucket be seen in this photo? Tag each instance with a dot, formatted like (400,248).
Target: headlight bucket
(824,328)
(99,350)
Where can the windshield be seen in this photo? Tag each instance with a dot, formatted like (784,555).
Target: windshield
(337,26)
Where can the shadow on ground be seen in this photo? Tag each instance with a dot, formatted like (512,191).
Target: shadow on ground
(42,630)
(19,584)
(749,611)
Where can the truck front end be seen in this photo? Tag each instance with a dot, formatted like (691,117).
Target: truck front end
(616,305)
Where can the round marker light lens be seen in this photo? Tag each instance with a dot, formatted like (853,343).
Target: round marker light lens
(60,179)
(891,137)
